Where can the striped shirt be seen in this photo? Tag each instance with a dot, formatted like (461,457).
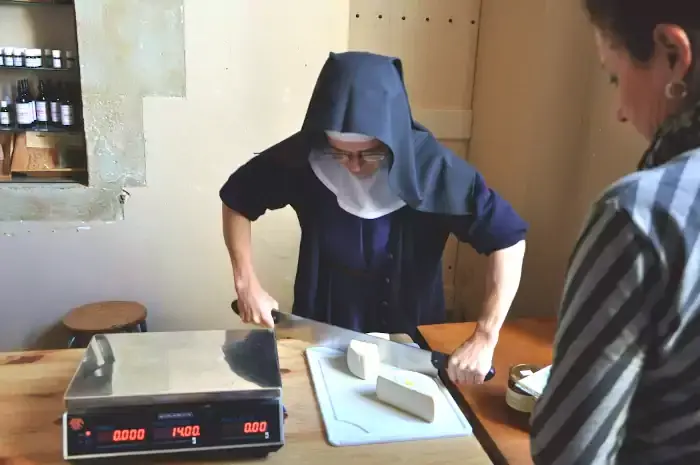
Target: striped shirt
(625,381)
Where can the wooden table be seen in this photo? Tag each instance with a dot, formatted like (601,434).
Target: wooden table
(31,404)
(503,432)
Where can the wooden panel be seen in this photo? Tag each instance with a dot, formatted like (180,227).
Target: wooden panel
(436,42)
(450,256)
(537,141)
(446,124)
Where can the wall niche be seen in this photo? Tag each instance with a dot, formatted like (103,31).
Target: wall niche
(72,82)
(41,129)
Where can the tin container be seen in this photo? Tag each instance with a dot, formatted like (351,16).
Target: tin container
(516,398)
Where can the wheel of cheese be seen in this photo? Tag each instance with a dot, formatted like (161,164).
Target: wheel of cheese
(363,359)
(409,391)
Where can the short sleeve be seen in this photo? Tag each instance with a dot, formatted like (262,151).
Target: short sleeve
(259,185)
(494,225)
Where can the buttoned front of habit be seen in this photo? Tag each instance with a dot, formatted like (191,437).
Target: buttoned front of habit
(372,273)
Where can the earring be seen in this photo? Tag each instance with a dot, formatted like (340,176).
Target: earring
(676,90)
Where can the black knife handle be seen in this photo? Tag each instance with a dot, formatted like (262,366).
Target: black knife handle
(441,360)
(236,310)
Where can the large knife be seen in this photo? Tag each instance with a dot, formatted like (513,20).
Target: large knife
(392,353)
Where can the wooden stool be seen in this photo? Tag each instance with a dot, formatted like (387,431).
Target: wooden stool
(104,317)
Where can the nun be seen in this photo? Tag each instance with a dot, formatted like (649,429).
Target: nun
(376,196)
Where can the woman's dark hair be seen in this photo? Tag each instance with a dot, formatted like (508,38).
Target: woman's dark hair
(631,23)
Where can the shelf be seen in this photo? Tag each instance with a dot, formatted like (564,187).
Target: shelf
(55,175)
(41,68)
(21,180)
(37,2)
(40,128)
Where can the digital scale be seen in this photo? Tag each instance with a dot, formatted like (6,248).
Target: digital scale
(175,392)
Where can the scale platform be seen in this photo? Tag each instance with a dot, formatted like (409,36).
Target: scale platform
(175,392)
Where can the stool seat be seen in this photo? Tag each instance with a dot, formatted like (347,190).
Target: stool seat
(99,317)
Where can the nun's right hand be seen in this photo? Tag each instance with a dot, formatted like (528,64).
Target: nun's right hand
(255,305)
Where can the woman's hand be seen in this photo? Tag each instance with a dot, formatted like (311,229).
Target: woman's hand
(255,305)
(471,362)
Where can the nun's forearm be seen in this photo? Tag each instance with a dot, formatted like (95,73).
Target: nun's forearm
(503,273)
(236,229)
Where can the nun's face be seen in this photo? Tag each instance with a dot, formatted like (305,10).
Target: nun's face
(361,158)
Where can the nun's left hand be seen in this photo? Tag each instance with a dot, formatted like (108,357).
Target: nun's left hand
(471,362)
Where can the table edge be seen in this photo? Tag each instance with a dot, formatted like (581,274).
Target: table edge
(71,355)
(480,433)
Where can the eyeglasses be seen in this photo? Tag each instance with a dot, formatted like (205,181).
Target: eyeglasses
(372,155)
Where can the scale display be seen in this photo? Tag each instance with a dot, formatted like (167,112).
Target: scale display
(161,428)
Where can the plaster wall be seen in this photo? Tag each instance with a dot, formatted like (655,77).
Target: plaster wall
(250,69)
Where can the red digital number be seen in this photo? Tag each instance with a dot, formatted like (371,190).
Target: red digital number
(136,434)
(252,427)
(188,431)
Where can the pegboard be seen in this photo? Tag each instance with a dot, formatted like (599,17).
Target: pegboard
(436,41)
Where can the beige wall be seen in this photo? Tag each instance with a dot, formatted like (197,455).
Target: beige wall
(543,134)
(251,66)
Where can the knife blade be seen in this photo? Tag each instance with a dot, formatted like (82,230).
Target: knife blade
(392,353)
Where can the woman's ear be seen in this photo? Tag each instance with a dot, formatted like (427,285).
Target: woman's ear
(673,41)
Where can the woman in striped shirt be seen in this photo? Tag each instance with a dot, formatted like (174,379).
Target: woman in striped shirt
(625,381)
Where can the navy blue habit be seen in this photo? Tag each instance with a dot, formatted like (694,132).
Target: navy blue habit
(384,274)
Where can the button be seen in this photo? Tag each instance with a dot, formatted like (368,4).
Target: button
(385,303)
(387,280)
(391,256)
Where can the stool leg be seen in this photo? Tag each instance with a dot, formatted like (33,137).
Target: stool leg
(79,341)
(142,327)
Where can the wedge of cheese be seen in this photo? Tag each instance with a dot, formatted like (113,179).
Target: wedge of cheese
(363,359)
(409,391)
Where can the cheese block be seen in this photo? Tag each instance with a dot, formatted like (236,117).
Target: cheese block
(363,359)
(409,391)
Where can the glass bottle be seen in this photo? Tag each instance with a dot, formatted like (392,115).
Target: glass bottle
(5,117)
(24,105)
(67,108)
(42,106)
(54,104)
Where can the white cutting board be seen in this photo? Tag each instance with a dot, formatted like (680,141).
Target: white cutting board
(353,415)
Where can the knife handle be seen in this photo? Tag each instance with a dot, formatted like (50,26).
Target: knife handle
(236,310)
(441,360)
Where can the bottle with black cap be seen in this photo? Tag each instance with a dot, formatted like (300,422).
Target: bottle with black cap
(54,104)
(24,105)
(67,107)
(42,106)
(5,115)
